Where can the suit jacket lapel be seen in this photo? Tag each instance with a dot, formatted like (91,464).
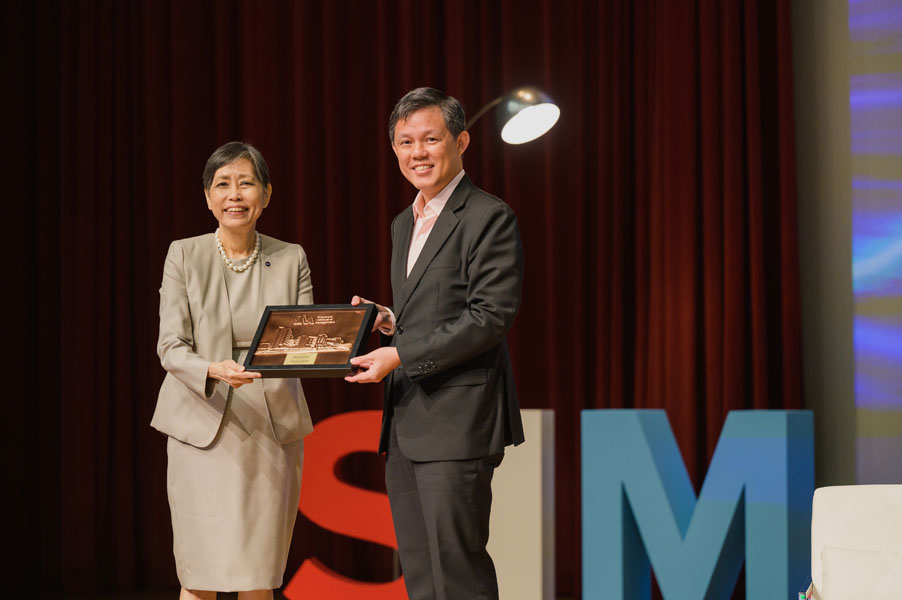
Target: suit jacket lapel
(399,255)
(215,268)
(277,413)
(265,275)
(446,223)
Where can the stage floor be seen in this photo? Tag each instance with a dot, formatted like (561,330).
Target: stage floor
(164,595)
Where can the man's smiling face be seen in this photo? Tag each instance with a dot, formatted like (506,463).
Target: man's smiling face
(428,154)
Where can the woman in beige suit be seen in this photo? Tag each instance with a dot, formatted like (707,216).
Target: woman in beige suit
(235,442)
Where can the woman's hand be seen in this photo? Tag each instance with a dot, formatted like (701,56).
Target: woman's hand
(231,372)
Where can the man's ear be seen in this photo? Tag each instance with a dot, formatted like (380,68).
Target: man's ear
(463,140)
(267,194)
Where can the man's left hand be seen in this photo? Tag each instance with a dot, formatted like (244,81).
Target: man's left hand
(372,367)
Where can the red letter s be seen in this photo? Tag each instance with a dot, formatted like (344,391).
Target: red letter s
(342,508)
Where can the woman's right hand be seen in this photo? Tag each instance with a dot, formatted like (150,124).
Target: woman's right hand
(231,372)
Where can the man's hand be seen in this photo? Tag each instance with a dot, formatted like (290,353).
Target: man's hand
(372,367)
(231,372)
(383,317)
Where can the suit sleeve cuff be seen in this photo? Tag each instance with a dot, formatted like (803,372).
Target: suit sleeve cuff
(391,326)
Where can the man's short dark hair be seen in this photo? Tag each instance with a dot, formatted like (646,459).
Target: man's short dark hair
(229,153)
(424,97)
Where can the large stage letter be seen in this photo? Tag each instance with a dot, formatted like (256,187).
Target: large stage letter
(342,508)
(640,511)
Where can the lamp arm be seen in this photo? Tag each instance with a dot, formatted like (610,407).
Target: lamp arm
(484,110)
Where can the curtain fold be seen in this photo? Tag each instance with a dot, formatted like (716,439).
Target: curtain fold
(658,219)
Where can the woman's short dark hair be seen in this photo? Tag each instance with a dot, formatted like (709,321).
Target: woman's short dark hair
(424,97)
(229,153)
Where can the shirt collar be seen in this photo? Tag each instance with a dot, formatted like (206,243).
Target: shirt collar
(435,206)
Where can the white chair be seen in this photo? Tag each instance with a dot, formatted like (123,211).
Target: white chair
(856,542)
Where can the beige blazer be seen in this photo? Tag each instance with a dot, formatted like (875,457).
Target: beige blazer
(196,329)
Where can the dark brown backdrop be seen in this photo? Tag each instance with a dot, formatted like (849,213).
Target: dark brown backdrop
(658,220)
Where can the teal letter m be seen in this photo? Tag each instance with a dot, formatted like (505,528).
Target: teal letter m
(639,510)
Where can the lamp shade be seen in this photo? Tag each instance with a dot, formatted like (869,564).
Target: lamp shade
(526,113)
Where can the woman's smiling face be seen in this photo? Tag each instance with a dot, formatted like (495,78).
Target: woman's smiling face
(236,197)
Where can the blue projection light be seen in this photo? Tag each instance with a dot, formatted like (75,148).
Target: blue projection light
(639,510)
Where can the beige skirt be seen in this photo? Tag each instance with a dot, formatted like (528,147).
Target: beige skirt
(234,503)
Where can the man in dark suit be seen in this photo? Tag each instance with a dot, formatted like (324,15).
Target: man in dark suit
(450,403)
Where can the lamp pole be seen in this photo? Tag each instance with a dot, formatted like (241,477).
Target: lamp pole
(484,110)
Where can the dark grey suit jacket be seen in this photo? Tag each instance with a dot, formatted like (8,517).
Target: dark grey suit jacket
(453,397)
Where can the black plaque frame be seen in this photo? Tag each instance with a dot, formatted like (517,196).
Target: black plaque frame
(301,336)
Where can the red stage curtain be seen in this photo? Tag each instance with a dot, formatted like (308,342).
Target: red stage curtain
(658,218)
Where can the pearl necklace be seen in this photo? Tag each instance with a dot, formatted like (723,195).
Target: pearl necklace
(228,261)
